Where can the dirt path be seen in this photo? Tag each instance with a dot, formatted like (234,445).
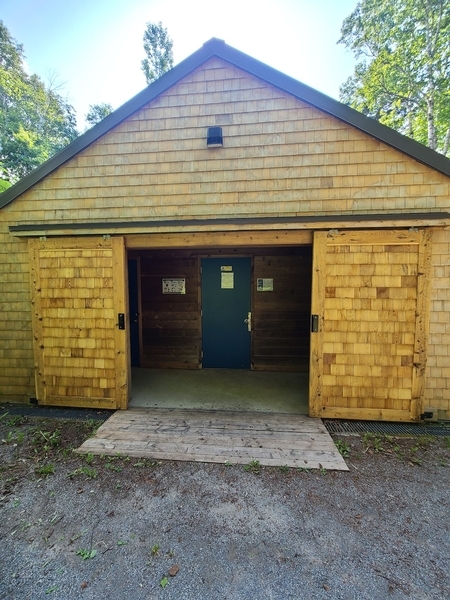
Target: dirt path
(118,528)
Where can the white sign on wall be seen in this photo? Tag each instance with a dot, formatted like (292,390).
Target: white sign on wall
(264,285)
(174,286)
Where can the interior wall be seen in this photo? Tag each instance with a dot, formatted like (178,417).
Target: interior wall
(171,323)
(281,318)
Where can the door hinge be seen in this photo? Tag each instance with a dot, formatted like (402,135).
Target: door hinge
(314,323)
(121,321)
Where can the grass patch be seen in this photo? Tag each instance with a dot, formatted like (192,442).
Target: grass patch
(86,554)
(87,471)
(284,468)
(372,442)
(89,458)
(45,470)
(45,441)
(91,426)
(145,463)
(412,449)
(253,467)
(113,467)
(343,447)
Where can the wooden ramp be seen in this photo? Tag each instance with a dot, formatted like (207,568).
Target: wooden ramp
(217,437)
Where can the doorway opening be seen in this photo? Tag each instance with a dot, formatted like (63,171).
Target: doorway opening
(221,329)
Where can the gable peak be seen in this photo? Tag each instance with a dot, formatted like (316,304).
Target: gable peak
(214,42)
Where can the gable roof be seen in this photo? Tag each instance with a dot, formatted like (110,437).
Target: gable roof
(218,48)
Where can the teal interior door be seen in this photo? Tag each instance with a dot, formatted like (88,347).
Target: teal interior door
(226,304)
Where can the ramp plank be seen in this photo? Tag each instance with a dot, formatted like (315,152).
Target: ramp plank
(217,437)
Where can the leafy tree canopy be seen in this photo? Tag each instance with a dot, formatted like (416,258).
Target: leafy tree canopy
(97,112)
(402,78)
(35,121)
(158,48)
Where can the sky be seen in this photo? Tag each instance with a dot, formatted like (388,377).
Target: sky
(94,47)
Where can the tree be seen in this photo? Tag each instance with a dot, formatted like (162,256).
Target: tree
(35,121)
(97,112)
(158,47)
(403,77)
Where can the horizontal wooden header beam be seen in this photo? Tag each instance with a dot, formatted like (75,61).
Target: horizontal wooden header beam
(218,239)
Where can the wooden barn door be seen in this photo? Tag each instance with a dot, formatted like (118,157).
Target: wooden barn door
(370,294)
(78,289)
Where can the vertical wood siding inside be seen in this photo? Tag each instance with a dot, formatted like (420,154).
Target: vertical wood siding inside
(281,318)
(170,322)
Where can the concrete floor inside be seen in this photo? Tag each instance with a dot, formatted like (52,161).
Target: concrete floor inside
(220,389)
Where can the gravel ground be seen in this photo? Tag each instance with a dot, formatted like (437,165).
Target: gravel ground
(121,528)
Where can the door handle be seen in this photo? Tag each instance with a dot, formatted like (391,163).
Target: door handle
(248,320)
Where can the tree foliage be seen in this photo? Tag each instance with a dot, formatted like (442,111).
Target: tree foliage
(158,48)
(35,121)
(402,78)
(97,112)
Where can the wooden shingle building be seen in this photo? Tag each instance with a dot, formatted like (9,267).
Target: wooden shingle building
(229,216)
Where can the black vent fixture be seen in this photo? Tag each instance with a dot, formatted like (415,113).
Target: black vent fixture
(214,138)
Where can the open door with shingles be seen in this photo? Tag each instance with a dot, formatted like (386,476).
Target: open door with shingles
(370,295)
(78,288)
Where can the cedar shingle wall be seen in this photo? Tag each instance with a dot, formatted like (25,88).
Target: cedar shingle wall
(280,157)
(437,393)
(369,326)
(16,345)
(78,317)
